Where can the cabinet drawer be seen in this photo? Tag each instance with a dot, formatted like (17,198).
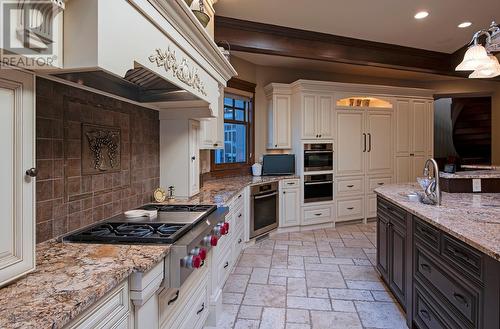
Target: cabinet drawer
(238,246)
(223,267)
(197,313)
(428,234)
(317,215)
(108,312)
(448,286)
(394,213)
(290,183)
(350,209)
(374,182)
(425,315)
(462,256)
(349,186)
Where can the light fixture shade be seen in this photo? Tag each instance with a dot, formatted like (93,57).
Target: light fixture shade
(488,70)
(474,57)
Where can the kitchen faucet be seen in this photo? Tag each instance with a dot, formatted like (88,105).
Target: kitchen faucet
(433,190)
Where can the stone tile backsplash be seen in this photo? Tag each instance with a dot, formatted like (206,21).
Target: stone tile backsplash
(67,199)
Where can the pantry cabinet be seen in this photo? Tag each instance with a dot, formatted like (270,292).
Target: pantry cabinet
(279,117)
(17,126)
(316,116)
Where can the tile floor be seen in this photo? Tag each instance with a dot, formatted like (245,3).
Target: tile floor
(314,279)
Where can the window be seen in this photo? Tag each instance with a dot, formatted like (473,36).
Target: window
(236,127)
(236,156)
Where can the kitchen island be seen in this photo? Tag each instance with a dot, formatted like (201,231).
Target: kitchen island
(441,262)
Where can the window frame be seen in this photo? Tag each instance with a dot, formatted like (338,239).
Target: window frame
(227,169)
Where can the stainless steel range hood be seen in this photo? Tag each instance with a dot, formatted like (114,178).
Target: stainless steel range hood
(152,52)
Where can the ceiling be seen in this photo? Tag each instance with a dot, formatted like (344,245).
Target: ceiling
(388,21)
(338,68)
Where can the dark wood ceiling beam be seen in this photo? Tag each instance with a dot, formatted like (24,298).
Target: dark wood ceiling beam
(269,39)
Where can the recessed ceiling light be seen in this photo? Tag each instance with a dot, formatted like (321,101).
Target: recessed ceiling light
(464,25)
(421,14)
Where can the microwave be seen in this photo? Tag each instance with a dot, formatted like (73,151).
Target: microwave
(318,157)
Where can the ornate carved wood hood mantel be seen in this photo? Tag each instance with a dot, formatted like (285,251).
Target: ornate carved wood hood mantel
(154,52)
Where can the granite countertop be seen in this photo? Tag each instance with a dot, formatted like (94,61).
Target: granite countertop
(70,277)
(483,174)
(471,218)
(220,191)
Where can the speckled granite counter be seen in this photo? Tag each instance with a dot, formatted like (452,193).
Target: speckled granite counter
(220,191)
(471,174)
(69,278)
(472,218)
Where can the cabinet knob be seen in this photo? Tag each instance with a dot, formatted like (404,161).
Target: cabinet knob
(193,158)
(32,172)
(275,145)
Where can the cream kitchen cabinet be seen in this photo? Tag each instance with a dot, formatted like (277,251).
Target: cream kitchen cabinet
(289,201)
(279,117)
(414,137)
(212,130)
(316,116)
(17,122)
(179,156)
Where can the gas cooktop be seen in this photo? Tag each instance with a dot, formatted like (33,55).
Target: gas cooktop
(172,222)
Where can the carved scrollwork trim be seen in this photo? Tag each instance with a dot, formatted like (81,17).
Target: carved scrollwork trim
(181,70)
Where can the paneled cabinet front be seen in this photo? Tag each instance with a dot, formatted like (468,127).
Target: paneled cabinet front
(279,104)
(317,116)
(289,214)
(17,123)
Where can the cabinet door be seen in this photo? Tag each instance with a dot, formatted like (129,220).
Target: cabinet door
(194,168)
(403,169)
(325,126)
(309,118)
(417,167)
(281,122)
(17,234)
(383,247)
(397,267)
(402,138)
(418,127)
(351,142)
(290,207)
(379,141)
(430,129)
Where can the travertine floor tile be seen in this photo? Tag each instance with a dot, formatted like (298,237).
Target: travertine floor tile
(308,303)
(265,295)
(273,318)
(236,283)
(297,315)
(351,294)
(380,315)
(343,305)
(296,287)
(348,252)
(252,260)
(318,293)
(291,273)
(365,285)
(250,312)
(297,326)
(365,273)
(318,279)
(231,298)
(259,275)
(277,280)
(246,324)
(335,320)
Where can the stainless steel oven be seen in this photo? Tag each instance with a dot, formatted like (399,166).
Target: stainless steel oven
(318,188)
(264,208)
(318,157)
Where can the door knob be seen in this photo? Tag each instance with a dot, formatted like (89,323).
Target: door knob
(32,172)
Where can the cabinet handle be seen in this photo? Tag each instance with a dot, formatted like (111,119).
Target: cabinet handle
(32,172)
(290,183)
(380,183)
(461,298)
(239,241)
(425,314)
(320,136)
(201,309)
(364,142)
(460,254)
(369,142)
(426,267)
(412,154)
(239,216)
(319,214)
(226,265)
(216,144)
(350,186)
(174,299)
(239,196)
(284,192)
(350,208)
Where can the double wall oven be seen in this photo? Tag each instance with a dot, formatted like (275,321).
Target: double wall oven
(318,172)
(264,208)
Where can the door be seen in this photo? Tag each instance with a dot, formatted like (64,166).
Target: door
(418,127)
(383,247)
(194,167)
(281,120)
(351,142)
(325,117)
(309,117)
(17,125)
(397,267)
(290,207)
(379,142)
(402,138)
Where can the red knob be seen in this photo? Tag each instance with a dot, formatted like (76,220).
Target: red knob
(202,253)
(226,227)
(213,240)
(196,262)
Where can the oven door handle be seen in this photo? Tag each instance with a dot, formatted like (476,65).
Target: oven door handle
(262,196)
(318,183)
(308,152)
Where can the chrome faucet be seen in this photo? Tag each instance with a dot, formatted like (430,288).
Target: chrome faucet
(433,190)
